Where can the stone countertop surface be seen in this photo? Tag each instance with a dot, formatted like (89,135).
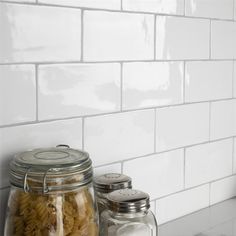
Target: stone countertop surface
(217,220)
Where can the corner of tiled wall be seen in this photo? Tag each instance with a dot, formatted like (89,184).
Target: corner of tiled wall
(134,83)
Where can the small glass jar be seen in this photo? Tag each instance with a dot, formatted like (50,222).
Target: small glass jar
(128,214)
(51,194)
(107,183)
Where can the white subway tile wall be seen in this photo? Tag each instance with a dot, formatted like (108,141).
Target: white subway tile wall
(181,126)
(210,8)
(179,38)
(147,87)
(207,162)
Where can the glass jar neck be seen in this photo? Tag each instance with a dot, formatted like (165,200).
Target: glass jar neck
(128,215)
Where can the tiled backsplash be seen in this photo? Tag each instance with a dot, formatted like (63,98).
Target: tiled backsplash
(147,87)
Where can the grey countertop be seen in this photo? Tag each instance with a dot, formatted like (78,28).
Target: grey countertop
(218,220)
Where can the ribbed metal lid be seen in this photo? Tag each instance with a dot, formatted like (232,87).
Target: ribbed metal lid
(128,201)
(112,181)
(51,169)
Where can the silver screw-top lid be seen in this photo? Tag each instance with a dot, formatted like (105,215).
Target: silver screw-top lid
(128,201)
(47,170)
(112,181)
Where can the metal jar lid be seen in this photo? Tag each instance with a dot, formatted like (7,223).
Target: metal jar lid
(112,181)
(128,201)
(48,170)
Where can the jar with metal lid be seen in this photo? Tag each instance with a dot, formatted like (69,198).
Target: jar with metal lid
(128,214)
(107,183)
(51,194)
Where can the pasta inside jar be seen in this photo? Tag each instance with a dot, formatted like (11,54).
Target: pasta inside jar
(32,214)
(52,195)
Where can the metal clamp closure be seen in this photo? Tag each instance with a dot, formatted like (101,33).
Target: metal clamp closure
(26,186)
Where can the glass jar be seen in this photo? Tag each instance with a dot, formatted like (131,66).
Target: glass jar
(107,183)
(51,194)
(128,214)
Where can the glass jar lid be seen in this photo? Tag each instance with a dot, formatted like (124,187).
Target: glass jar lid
(128,201)
(59,168)
(112,181)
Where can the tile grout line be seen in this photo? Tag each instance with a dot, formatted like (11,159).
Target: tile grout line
(184,169)
(121,5)
(115,112)
(209,131)
(210,40)
(233,153)
(37,91)
(82,35)
(115,61)
(184,82)
(155,36)
(121,85)
(115,10)
(155,130)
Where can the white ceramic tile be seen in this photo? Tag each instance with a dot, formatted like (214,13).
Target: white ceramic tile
(30,33)
(114,168)
(208,80)
(223,38)
(182,125)
(78,89)
(234,80)
(110,36)
(163,173)
(223,189)
(183,203)
(103,4)
(234,9)
(3,206)
(210,8)
(182,38)
(175,7)
(21,1)
(22,138)
(149,84)
(208,162)
(111,138)
(17,94)
(223,119)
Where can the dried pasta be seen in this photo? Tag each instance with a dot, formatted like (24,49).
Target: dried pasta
(67,214)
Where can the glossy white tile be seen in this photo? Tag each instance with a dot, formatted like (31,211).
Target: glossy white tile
(21,1)
(153,207)
(182,38)
(207,162)
(103,4)
(3,206)
(175,7)
(163,173)
(149,84)
(210,8)
(118,36)
(111,138)
(223,38)
(17,94)
(22,41)
(208,80)
(181,126)
(71,90)
(223,189)
(114,168)
(223,119)
(21,138)
(183,203)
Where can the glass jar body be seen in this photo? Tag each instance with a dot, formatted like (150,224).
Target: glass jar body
(128,224)
(59,214)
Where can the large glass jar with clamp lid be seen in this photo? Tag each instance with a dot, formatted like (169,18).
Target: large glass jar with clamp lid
(51,194)
(128,214)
